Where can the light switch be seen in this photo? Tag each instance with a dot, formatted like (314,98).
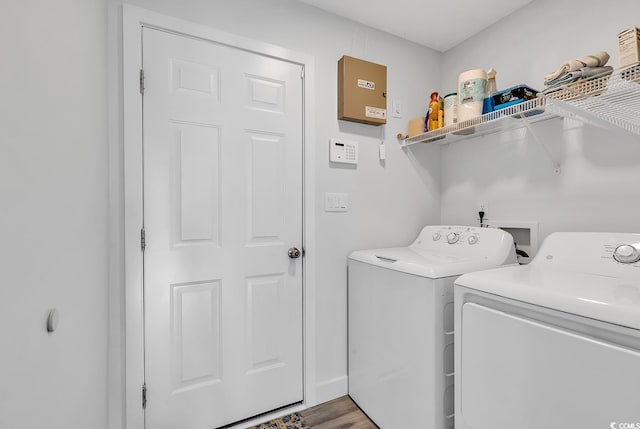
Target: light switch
(336,202)
(396,109)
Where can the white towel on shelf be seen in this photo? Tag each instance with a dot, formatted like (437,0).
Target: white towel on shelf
(585,72)
(578,76)
(598,59)
(568,77)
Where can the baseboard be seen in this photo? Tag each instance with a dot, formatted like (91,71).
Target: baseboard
(332,389)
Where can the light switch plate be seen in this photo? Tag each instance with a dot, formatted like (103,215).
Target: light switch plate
(396,109)
(336,202)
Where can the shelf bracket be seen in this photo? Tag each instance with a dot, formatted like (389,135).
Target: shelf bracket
(531,131)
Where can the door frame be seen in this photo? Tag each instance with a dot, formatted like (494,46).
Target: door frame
(133,19)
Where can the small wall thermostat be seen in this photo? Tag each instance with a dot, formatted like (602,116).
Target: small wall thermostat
(343,151)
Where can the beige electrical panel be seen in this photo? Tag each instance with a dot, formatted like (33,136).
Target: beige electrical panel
(362,91)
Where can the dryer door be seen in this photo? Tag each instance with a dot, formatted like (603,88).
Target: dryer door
(520,373)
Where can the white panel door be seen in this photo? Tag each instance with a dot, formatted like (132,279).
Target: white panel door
(222,205)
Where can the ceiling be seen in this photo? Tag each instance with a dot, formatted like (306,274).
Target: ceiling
(438,25)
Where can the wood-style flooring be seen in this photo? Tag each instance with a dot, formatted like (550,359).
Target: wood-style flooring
(341,413)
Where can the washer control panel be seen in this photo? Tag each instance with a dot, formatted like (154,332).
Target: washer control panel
(471,245)
(453,235)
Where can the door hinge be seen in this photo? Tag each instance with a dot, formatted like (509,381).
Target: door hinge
(302,74)
(142,81)
(144,396)
(143,240)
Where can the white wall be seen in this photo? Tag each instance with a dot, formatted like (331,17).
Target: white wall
(390,201)
(53,185)
(596,190)
(53,172)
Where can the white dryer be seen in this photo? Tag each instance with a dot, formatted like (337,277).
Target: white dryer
(555,344)
(401,322)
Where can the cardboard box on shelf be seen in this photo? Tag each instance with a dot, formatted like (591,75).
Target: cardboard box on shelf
(416,126)
(629,47)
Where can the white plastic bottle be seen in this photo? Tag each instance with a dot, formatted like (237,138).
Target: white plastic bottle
(491,89)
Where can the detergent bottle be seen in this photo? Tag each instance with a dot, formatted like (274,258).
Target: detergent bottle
(434,112)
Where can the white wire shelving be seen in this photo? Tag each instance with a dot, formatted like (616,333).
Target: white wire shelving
(607,101)
(512,117)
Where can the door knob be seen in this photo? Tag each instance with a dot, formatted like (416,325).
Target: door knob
(294,253)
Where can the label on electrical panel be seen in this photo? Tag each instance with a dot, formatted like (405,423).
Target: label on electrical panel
(375,112)
(366,84)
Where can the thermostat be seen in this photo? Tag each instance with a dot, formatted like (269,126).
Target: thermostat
(343,151)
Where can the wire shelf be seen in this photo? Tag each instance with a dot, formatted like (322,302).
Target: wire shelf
(612,100)
(509,118)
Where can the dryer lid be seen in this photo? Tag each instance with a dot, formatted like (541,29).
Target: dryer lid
(596,286)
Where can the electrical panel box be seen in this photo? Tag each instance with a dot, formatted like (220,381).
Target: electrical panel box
(362,91)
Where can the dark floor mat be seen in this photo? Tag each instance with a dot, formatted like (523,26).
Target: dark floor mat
(292,421)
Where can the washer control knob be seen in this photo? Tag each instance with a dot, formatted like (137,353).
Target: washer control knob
(473,239)
(452,238)
(436,236)
(626,254)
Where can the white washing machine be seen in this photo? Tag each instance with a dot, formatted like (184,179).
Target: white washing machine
(554,344)
(401,322)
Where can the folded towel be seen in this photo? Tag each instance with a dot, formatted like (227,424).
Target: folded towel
(582,75)
(594,72)
(596,60)
(585,72)
(565,78)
